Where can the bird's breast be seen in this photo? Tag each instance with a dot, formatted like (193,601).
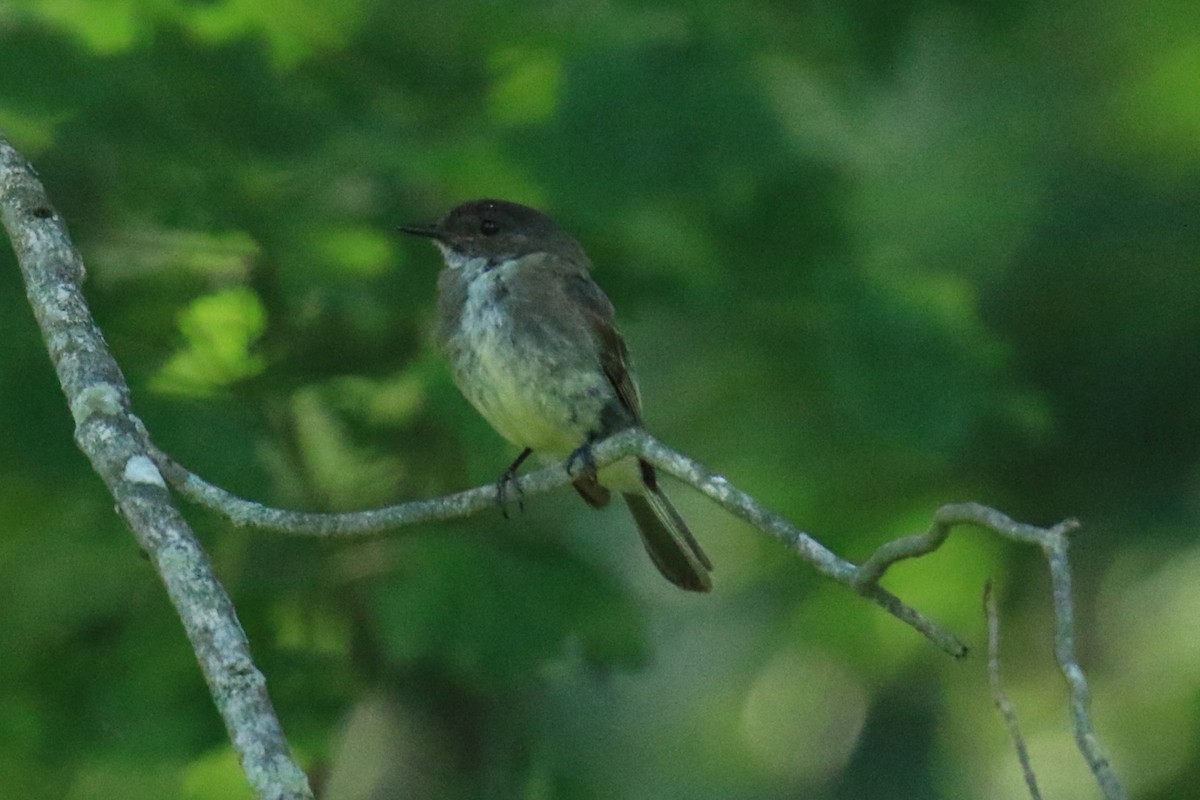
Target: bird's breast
(534,387)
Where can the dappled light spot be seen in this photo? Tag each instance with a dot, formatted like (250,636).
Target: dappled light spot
(803,716)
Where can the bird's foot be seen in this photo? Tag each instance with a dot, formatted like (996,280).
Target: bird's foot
(581,463)
(509,476)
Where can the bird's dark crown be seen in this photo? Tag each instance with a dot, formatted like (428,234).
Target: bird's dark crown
(498,228)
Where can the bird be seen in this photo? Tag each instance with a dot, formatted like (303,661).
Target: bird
(532,344)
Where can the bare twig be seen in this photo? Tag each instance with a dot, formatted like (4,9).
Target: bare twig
(1005,705)
(119,449)
(623,445)
(1055,549)
(944,519)
(1053,542)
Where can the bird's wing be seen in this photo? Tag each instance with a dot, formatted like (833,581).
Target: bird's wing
(614,355)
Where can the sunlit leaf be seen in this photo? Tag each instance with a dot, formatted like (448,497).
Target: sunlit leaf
(356,250)
(219,331)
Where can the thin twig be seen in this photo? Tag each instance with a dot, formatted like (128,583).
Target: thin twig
(623,445)
(1005,705)
(118,447)
(1053,542)
(1055,549)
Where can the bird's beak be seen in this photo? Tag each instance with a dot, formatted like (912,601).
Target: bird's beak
(430,230)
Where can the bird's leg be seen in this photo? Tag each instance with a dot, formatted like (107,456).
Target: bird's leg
(510,476)
(586,462)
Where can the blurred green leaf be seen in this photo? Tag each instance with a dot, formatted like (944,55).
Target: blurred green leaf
(1154,115)
(219,331)
(361,252)
(141,252)
(105,26)
(527,89)
(215,776)
(351,474)
(294,29)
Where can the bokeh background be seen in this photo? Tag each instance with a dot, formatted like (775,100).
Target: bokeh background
(870,257)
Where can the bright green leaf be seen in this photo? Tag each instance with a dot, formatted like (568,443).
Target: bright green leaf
(218,330)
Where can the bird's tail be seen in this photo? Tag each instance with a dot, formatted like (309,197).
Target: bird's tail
(670,544)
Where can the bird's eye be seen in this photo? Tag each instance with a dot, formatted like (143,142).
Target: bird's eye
(489,227)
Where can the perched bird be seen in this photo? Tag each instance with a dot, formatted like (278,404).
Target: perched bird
(531,343)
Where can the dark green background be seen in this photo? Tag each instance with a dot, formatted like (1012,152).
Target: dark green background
(870,257)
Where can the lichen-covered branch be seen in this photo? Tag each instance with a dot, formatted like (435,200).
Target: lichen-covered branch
(119,448)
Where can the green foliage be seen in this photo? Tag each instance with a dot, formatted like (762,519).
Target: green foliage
(215,776)
(218,330)
(524,606)
(869,257)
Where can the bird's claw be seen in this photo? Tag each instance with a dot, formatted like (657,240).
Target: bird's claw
(509,476)
(581,463)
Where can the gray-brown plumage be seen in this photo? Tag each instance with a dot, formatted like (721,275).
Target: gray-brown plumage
(532,345)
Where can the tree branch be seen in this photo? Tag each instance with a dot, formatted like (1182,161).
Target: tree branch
(863,579)
(1055,549)
(628,443)
(1003,704)
(1054,542)
(118,446)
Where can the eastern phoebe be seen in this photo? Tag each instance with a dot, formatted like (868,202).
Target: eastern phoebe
(531,342)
